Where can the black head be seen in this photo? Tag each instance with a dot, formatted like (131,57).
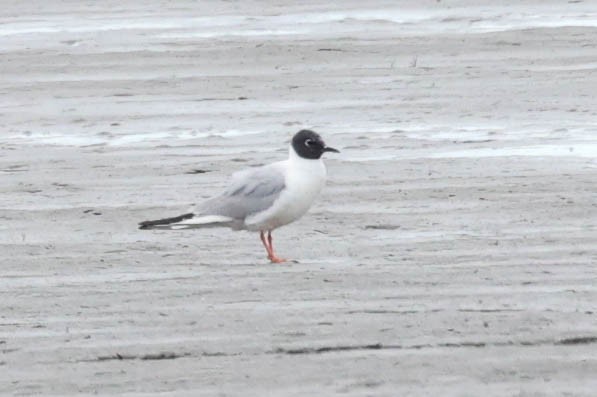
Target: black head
(309,145)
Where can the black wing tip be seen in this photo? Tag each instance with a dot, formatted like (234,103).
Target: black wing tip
(145,225)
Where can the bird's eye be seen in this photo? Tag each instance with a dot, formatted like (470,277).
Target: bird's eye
(309,142)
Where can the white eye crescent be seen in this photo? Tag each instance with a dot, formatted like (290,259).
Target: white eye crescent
(309,142)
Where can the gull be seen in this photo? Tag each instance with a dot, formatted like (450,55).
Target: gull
(262,198)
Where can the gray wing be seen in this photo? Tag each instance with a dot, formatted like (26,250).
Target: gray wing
(251,191)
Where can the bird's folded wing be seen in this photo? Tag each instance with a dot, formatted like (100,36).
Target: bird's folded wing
(250,192)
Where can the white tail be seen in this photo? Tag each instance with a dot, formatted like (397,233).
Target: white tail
(199,222)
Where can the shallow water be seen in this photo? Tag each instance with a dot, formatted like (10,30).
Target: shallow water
(113,76)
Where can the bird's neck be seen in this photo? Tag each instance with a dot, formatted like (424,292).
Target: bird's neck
(293,157)
(313,166)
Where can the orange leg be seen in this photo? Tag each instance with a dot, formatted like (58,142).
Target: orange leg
(272,257)
(265,244)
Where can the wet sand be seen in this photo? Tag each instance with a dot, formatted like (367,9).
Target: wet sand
(452,251)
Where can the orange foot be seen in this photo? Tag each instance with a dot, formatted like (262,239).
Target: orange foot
(275,259)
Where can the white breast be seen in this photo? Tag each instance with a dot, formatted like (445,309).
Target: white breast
(304,180)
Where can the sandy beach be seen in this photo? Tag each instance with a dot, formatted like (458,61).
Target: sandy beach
(452,252)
